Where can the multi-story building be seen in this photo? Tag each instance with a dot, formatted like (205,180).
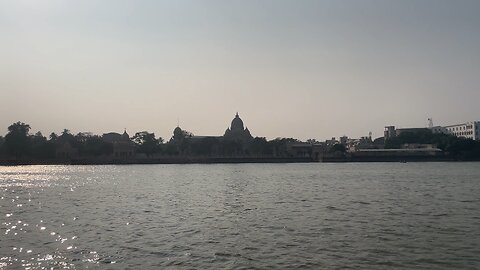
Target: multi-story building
(469,130)
(391,131)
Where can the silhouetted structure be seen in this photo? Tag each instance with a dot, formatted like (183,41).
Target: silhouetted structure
(65,150)
(391,131)
(314,151)
(236,145)
(468,130)
(235,142)
(123,147)
(236,132)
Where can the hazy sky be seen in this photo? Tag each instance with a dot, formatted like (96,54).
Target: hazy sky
(303,69)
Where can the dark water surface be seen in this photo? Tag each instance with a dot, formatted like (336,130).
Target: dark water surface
(245,216)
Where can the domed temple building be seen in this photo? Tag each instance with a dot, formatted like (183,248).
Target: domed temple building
(236,132)
(236,140)
(123,147)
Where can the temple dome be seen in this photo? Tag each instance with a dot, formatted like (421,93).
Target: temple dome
(177,130)
(247,132)
(237,124)
(125,136)
(227,132)
(178,134)
(237,132)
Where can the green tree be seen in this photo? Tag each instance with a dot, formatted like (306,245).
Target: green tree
(456,147)
(17,141)
(82,137)
(41,148)
(66,136)
(53,137)
(147,143)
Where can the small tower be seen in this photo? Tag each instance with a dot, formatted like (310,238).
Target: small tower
(430,123)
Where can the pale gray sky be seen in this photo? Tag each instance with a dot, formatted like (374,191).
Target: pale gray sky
(303,69)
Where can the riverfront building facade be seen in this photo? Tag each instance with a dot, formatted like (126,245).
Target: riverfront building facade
(469,130)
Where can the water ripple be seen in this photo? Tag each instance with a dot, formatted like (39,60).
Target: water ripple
(249,216)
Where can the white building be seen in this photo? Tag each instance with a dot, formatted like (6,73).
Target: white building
(469,130)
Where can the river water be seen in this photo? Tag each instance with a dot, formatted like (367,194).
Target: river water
(241,216)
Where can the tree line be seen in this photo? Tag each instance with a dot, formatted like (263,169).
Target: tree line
(19,143)
(456,147)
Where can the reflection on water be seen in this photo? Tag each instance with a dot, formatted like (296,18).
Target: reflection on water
(368,216)
(34,237)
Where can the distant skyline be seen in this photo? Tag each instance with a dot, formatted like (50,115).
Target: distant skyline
(302,69)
